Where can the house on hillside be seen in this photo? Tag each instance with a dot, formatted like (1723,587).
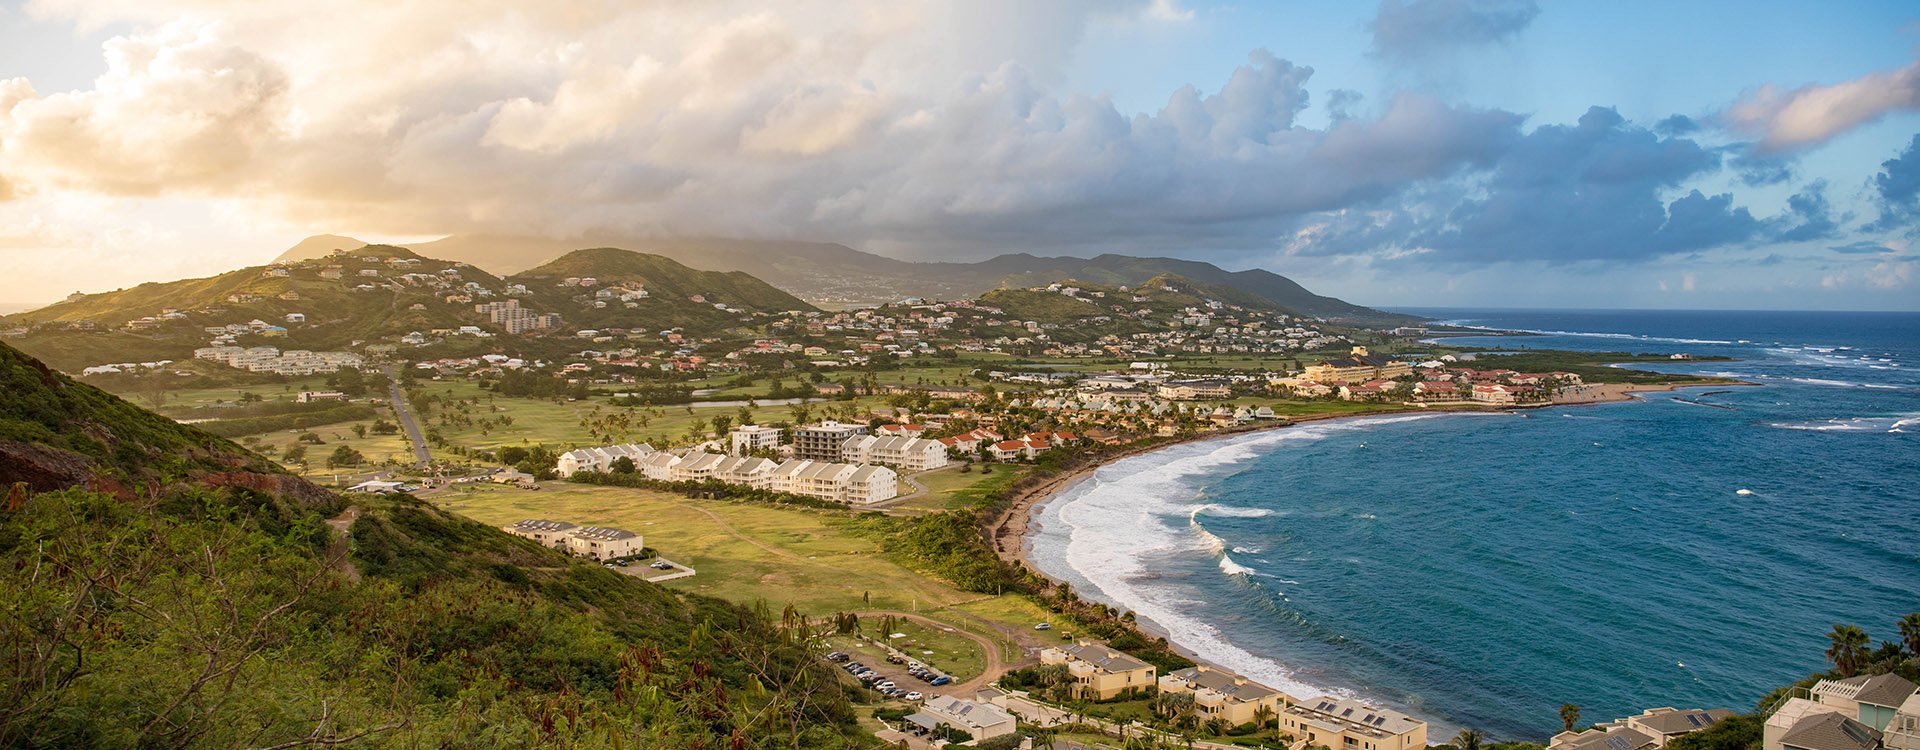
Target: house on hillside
(1099,672)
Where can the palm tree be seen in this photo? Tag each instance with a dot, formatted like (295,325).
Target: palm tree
(1849,648)
(1910,634)
(1468,739)
(1569,715)
(1263,716)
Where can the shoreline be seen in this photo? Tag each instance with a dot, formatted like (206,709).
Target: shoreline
(1011,533)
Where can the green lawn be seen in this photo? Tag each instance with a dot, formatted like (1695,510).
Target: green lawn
(743,552)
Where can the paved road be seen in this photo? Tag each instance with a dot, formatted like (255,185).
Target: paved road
(405,415)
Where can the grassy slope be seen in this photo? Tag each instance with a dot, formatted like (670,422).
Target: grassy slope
(664,277)
(196,616)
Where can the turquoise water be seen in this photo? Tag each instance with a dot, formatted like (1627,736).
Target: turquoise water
(1481,570)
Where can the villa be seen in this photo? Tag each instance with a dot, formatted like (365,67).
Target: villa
(900,452)
(602,543)
(1649,730)
(1867,712)
(1223,695)
(1099,672)
(1347,723)
(548,533)
(982,720)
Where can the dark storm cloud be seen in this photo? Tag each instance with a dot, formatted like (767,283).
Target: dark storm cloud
(1809,216)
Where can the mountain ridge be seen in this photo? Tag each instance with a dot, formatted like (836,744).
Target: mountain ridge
(835,274)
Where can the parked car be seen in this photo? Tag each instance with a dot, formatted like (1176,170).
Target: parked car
(914,695)
(942,680)
(1043,626)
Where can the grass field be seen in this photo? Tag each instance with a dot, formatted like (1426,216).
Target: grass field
(742,552)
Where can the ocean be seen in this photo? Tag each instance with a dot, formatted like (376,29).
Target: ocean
(1480,570)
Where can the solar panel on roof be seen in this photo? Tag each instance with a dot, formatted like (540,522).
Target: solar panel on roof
(1857,732)
(1617,743)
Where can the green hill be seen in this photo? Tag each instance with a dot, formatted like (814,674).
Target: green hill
(154,600)
(675,296)
(378,293)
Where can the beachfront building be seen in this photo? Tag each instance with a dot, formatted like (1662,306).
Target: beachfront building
(602,543)
(1099,672)
(1358,367)
(1348,724)
(1869,699)
(1493,393)
(822,441)
(748,438)
(547,533)
(903,453)
(1867,712)
(982,720)
(1649,730)
(1194,390)
(1219,694)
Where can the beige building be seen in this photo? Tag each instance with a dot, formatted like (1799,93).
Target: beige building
(900,452)
(1224,695)
(1356,368)
(548,533)
(1347,724)
(602,543)
(1649,730)
(982,720)
(1100,673)
(844,483)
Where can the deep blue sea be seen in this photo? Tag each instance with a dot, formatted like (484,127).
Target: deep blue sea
(1483,569)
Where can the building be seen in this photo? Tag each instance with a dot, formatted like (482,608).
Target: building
(1869,699)
(1355,368)
(1493,393)
(1193,390)
(1649,730)
(601,459)
(1222,695)
(548,533)
(982,720)
(838,482)
(1099,672)
(748,438)
(823,441)
(1867,712)
(602,543)
(903,453)
(1351,725)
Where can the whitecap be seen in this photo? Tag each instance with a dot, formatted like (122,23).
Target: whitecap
(1229,567)
(1232,512)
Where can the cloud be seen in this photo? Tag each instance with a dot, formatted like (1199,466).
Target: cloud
(1811,216)
(1897,189)
(926,127)
(1167,10)
(1412,31)
(1590,191)
(1789,120)
(1862,248)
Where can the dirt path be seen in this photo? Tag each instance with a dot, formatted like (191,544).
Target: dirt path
(337,550)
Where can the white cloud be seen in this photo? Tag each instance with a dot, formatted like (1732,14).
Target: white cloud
(1784,120)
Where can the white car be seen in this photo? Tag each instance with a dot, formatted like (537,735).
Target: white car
(884,685)
(914,695)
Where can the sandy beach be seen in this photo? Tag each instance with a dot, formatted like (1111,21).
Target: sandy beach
(1009,532)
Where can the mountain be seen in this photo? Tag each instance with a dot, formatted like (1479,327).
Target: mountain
(662,277)
(165,588)
(317,247)
(377,294)
(834,274)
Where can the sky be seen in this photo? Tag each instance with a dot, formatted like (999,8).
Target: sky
(1464,153)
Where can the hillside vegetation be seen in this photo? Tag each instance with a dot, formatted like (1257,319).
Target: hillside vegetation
(203,612)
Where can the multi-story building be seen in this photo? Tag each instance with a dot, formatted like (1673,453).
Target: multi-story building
(602,543)
(1099,672)
(748,438)
(1222,695)
(601,459)
(1347,724)
(548,533)
(845,483)
(1359,366)
(903,453)
(823,441)
(1649,730)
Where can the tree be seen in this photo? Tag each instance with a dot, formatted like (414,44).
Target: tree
(345,455)
(1468,739)
(1569,715)
(1264,716)
(295,454)
(360,431)
(1848,649)
(1910,634)
(384,427)
(622,465)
